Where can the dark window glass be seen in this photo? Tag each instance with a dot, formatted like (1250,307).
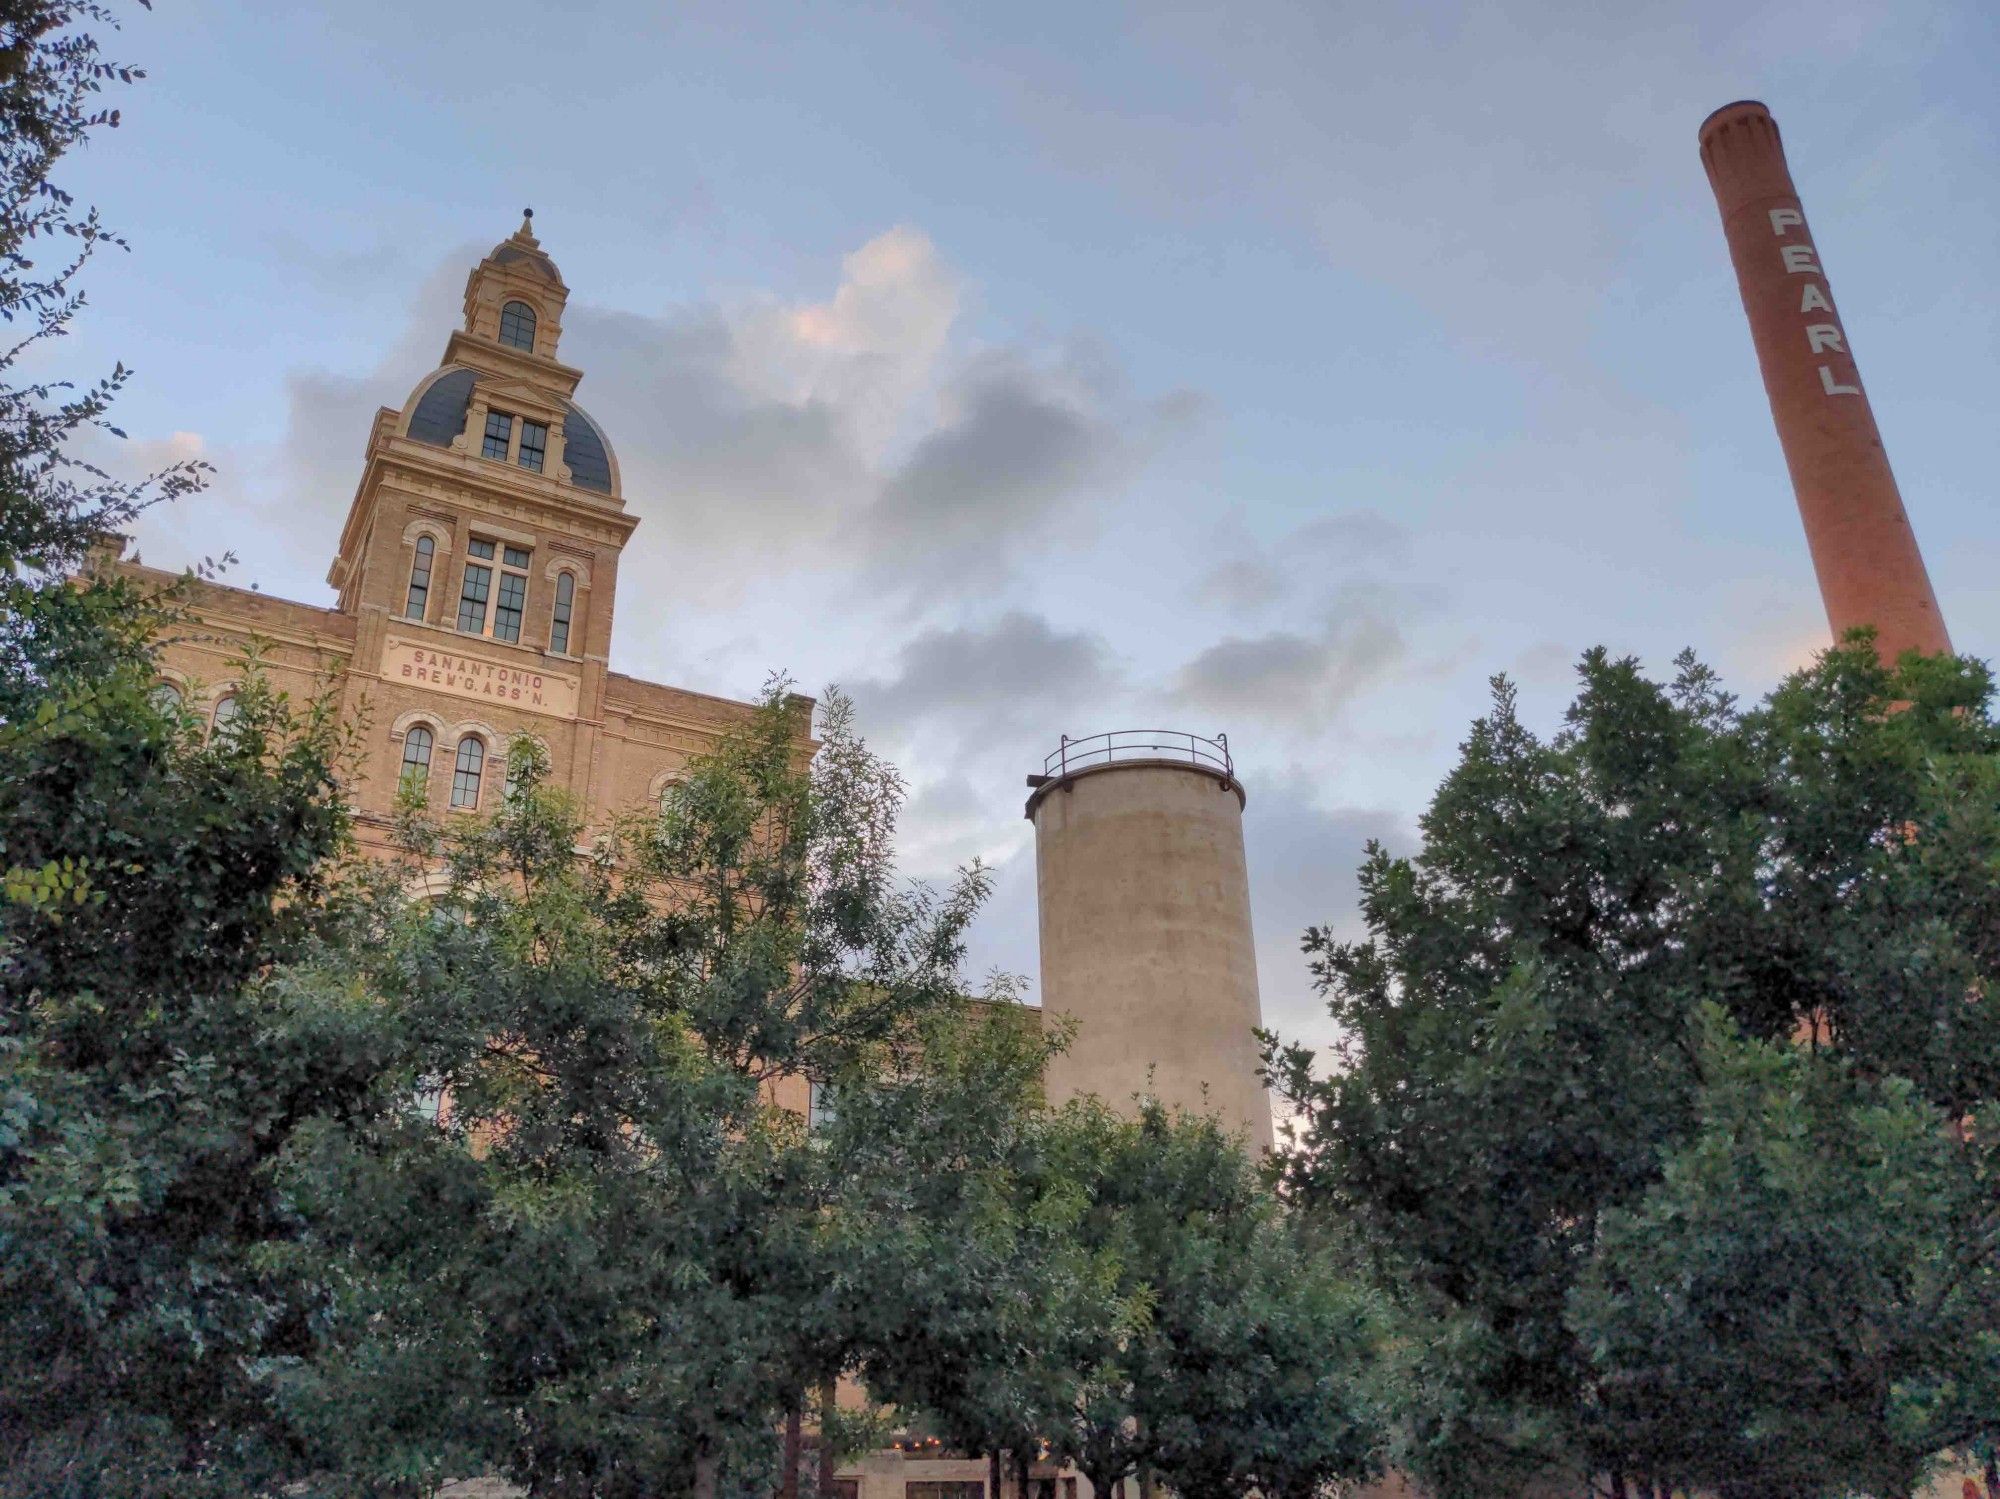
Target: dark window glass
(420,579)
(472,598)
(534,442)
(417,756)
(507,609)
(517,326)
(565,605)
(819,1106)
(465,775)
(499,427)
(481,549)
(430,1099)
(514,557)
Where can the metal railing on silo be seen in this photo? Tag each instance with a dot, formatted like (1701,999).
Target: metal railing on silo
(1138,744)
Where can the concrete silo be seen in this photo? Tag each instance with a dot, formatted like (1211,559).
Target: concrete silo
(1145,924)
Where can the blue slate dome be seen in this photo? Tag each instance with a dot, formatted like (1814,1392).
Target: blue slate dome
(440,411)
(439,416)
(586,452)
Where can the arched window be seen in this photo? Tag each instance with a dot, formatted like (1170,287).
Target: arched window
(420,579)
(167,697)
(565,611)
(517,326)
(417,757)
(225,714)
(465,774)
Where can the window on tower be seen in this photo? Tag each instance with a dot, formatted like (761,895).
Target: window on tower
(534,443)
(499,435)
(420,579)
(517,326)
(565,610)
(475,591)
(508,607)
(490,605)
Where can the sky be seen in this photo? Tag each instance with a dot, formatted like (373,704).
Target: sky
(1279,370)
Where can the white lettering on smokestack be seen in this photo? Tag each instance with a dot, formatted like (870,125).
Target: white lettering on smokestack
(1821,338)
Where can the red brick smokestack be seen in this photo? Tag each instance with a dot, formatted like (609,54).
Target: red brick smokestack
(1870,571)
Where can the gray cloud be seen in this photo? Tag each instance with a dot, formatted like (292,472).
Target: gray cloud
(1016,662)
(1019,440)
(1291,678)
(1251,579)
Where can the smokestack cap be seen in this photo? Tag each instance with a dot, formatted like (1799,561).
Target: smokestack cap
(1730,114)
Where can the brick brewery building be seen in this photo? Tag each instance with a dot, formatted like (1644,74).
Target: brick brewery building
(476,580)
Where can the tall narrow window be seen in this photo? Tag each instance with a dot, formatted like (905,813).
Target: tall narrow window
(417,757)
(474,591)
(565,607)
(507,608)
(225,715)
(499,433)
(167,697)
(517,326)
(534,443)
(465,774)
(420,579)
(819,1106)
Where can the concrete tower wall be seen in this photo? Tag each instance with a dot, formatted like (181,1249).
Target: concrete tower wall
(1146,938)
(1870,571)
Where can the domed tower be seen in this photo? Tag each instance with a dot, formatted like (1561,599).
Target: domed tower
(1146,941)
(480,555)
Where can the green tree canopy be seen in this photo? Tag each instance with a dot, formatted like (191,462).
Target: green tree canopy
(1526,1059)
(153,1068)
(633,1251)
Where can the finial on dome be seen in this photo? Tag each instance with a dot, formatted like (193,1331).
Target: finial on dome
(526,233)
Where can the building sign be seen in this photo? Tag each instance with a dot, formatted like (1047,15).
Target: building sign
(420,664)
(1821,337)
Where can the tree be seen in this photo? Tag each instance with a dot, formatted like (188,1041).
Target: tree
(990,1305)
(1123,1295)
(641,1263)
(152,1070)
(1810,1297)
(1267,1367)
(1525,1045)
(55,505)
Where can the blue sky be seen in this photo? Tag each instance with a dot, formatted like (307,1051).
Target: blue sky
(1278,369)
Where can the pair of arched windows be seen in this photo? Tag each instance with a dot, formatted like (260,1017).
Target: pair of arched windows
(167,698)
(468,767)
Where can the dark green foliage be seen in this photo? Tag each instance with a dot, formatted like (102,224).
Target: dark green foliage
(1527,1062)
(633,1261)
(154,1068)
(1123,1295)
(1818,1262)
(150,1081)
